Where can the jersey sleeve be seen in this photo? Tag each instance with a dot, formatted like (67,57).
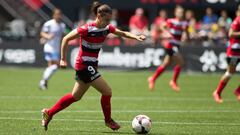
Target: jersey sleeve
(235,24)
(112,29)
(169,23)
(46,27)
(82,31)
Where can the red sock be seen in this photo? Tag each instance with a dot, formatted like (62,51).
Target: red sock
(62,103)
(221,86)
(158,72)
(106,107)
(238,90)
(177,70)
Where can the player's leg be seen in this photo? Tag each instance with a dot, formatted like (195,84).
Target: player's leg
(101,85)
(159,71)
(178,59)
(53,62)
(237,92)
(78,91)
(166,62)
(224,80)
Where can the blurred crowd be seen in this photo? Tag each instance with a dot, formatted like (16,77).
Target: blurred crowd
(210,30)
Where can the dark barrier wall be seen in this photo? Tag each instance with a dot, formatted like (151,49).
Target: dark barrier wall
(30,54)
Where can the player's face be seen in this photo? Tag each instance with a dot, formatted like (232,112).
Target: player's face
(57,15)
(105,19)
(163,14)
(179,13)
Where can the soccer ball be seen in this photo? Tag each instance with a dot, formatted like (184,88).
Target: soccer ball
(141,124)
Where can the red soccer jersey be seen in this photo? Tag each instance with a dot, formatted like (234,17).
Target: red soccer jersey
(176,28)
(91,39)
(158,21)
(233,49)
(139,22)
(156,33)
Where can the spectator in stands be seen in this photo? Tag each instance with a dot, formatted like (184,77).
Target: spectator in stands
(210,17)
(91,18)
(209,27)
(139,23)
(156,26)
(114,18)
(189,15)
(217,35)
(224,20)
(112,39)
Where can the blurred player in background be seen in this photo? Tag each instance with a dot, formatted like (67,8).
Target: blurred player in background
(51,35)
(173,30)
(156,33)
(92,36)
(233,58)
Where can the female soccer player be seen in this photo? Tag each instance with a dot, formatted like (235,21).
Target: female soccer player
(92,36)
(52,32)
(233,58)
(175,28)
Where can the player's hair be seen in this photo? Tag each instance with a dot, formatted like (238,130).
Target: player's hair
(55,10)
(102,9)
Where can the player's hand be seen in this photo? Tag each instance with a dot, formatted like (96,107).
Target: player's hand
(63,64)
(42,41)
(50,36)
(167,35)
(141,38)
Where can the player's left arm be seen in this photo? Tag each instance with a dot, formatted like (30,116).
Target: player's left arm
(129,35)
(232,33)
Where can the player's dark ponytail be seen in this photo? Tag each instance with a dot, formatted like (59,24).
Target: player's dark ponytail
(95,7)
(98,8)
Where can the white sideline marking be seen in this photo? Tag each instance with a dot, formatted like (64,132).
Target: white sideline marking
(115,98)
(154,122)
(129,111)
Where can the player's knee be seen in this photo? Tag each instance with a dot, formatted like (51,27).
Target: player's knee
(165,64)
(107,92)
(54,67)
(228,75)
(76,96)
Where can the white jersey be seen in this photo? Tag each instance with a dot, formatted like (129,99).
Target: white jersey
(57,29)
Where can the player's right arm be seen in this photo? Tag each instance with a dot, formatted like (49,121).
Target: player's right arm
(46,35)
(70,36)
(233,34)
(164,27)
(45,31)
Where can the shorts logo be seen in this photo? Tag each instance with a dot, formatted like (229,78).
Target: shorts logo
(95,76)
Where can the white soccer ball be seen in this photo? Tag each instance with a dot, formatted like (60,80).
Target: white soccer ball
(141,124)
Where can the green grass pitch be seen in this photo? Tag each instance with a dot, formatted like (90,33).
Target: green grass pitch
(190,112)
